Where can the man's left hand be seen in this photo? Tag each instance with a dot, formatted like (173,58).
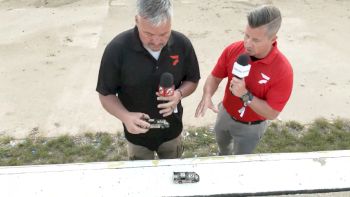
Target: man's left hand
(169,103)
(237,87)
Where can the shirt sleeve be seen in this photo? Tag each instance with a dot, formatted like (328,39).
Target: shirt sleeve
(191,62)
(109,74)
(221,68)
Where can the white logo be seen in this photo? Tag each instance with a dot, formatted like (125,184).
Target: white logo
(241,111)
(265,79)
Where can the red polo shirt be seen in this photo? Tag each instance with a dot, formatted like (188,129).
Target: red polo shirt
(270,79)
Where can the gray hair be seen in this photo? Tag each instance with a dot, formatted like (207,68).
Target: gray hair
(155,11)
(267,15)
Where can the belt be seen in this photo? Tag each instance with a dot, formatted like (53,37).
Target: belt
(248,123)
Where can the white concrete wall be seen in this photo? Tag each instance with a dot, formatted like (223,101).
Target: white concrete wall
(243,174)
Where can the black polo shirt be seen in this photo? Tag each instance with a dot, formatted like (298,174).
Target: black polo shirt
(130,71)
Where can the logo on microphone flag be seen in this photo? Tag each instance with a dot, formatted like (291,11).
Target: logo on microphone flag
(166,91)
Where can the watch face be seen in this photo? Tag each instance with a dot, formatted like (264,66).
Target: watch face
(245,98)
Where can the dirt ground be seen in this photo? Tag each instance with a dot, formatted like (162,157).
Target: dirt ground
(50,52)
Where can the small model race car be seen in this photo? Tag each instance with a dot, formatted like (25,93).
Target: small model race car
(185,177)
(158,123)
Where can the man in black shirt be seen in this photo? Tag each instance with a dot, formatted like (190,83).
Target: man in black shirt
(129,78)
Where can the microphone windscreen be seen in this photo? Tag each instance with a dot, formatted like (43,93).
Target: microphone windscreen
(243,59)
(166,80)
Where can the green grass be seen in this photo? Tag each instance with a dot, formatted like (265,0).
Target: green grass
(64,149)
(290,136)
(199,142)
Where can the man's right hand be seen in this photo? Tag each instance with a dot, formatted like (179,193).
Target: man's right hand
(203,105)
(136,122)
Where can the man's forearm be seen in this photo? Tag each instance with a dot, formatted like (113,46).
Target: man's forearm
(210,86)
(112,105)
(262,108)
(187,88)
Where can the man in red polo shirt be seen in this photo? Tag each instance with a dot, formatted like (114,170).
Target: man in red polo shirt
(258,97)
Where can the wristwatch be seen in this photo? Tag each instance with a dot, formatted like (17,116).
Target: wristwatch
(247,98)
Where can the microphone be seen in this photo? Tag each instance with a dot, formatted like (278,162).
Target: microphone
(241,67)
(240,70)
(166,85)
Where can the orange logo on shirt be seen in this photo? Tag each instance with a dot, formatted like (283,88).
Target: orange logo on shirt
(175,59)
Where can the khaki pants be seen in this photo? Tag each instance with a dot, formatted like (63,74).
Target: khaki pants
(168,150)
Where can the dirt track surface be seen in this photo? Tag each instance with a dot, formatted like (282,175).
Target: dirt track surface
(50,52)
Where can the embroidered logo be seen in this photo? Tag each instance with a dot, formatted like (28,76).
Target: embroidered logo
(175,59)
(265,79)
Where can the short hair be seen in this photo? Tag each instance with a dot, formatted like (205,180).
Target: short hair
(155,11)
(267,15)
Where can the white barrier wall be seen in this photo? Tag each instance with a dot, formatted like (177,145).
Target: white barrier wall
(243,174)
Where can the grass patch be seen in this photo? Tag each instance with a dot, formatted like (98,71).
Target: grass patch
(198,142)
(291,136)
(89,147)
